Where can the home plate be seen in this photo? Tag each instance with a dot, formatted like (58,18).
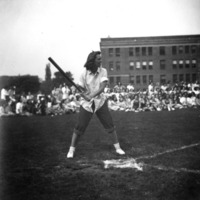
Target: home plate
(123,163)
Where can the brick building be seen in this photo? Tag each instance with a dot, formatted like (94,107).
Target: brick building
(141,60)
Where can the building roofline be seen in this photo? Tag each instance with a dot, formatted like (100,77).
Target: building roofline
(153,37)
(150,40)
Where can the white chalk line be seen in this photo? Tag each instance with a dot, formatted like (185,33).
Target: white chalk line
(132,163)
(163,168)
(168,151)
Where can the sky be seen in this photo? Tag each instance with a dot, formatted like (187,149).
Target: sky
(31,31)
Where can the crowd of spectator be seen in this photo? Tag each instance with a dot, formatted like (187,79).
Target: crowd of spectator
(66,100)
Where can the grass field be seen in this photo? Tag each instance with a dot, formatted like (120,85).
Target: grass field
(165,144)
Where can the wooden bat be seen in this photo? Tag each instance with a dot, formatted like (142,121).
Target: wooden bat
(63,73)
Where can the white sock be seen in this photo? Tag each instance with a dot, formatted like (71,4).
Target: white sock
(72,149)
(117,146)
(118,149)
(70,153)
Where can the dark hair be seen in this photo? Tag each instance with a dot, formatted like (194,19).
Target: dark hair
(91,60)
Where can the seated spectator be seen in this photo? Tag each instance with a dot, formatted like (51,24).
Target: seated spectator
(4,93)
(31,106)
(12,92)
(142,101)
(164,87)
(2,111)
(65,92)
(198,100)
(41,104)
(29,96)
(8,109)
(149,106)
(130,87)
(157,86)
(121,103)
(128,103)
(19,107)
(157,102)
(183,99)
(150,89)
(136,103)
(70,105)
(168,103)
(106,89)
(191,100)
(176,101)
(112,103)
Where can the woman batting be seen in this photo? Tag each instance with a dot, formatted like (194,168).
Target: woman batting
(93,80)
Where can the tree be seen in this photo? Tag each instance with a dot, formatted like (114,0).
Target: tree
(26,83)
(60,79)
(46,87)
(48,72)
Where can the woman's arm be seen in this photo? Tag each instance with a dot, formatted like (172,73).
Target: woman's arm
(100,90)
(88,97)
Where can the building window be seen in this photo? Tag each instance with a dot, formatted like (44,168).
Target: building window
(118,79)
(162,64)
(174,64)
(144,51)
(181,77)
(150,78)
(187,49)
(150,51)
(117,52)
(137,51)
(111,80)
(163,79)
(138,65)
(187,78)
(111,66)
(150,65)
(194,77)
(144,65)
(193,48)
(180,49)
(174,50)
(131,65)
(175,78)
(194,63)
(162,50)
(110,52)
(131,51)
(118,65)
(144,79)
(187,64)
(137,79)
(180,64)
(131,79)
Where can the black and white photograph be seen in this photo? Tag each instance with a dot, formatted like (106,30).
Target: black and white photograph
(100,100)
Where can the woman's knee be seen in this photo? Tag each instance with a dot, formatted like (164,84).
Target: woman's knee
(79,132)
(110,130)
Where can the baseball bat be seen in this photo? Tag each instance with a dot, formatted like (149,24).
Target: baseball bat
(63,73)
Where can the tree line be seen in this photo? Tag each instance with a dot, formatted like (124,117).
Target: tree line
(33,84)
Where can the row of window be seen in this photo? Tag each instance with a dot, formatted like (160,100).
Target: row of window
(184,77)
(184,63)
(144,65)
(145,79)
(183,49)
(148,51)
(149,65)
